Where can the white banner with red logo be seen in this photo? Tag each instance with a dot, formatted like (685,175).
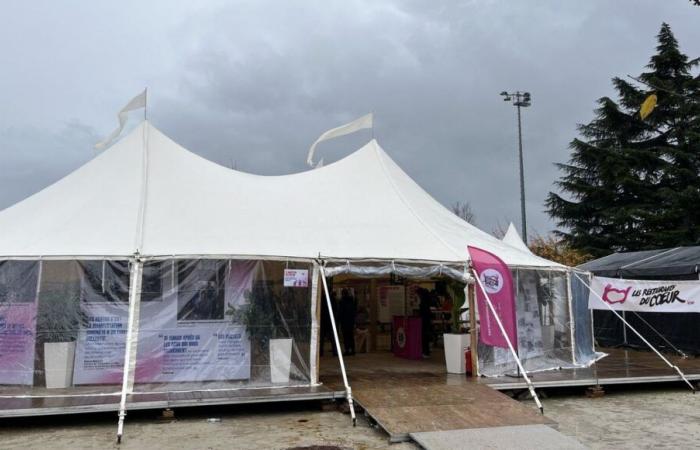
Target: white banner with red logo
(498,283)
(644,296)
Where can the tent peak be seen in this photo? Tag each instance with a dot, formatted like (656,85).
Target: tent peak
(513,239)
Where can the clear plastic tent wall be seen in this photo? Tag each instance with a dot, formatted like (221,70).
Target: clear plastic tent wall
(59,332)
(554,331)
(203,324)
(223,324)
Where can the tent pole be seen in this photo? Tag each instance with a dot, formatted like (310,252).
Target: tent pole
(572,320)
(131,339)
(315,311)
(348,390)
(510,344)
(627,325)
(473,332)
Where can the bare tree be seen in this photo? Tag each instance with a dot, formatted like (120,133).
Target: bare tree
(499,231)
(464,211)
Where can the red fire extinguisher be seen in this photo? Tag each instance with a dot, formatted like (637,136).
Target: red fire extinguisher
(468,360)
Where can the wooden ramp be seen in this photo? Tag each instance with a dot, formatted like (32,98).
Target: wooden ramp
(417,399)
(405,396)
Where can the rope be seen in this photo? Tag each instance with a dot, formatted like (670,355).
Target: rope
(681,374)
(661,335)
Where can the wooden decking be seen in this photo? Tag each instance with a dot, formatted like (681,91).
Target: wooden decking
(405,396)
(371,376)
(84,402)
(621,366)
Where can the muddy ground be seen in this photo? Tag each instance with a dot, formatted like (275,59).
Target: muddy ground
(654,417)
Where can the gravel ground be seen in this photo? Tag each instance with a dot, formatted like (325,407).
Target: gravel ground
(653,417)
(280,426)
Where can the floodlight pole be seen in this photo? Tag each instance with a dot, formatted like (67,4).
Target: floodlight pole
(520,100)
(522,177)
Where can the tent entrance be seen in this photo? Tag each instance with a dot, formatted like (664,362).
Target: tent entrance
(403,392)
(381,321)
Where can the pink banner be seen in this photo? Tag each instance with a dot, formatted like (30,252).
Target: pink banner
(498,283)
(17,333)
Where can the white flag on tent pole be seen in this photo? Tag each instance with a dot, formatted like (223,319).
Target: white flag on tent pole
(363,122)
(135,103)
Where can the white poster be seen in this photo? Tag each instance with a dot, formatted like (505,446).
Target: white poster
(644,296)
(99,350)
(391,302)
(170,348)
(296,278)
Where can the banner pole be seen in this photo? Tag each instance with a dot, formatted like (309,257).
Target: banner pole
(673,366)
(348,390)
(530,386)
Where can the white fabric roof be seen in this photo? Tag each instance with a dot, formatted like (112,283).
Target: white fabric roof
(513,238)
(363,206)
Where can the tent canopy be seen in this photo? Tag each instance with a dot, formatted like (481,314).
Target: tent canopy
(363,206)
(668,262)
(513,238)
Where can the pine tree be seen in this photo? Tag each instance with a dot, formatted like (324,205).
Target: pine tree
(634,184)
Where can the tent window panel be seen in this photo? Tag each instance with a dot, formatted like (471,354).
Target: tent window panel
(155,276)
(201,290)
(104,281)
(18,281)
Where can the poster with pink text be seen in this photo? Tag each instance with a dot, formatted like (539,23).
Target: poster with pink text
(17,340)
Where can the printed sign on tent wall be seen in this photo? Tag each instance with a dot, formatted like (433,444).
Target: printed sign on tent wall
(17,337)
(169,349)
(18,312)
(296,278)
(391,302)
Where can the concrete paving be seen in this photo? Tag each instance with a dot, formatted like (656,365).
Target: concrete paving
(523,437)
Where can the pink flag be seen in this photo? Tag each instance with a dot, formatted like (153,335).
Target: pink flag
(498,283)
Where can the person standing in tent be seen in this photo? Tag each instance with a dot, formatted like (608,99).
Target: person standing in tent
(347,311)
(426,316)
(326,325)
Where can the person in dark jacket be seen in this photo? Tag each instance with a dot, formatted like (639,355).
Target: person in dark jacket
(347,311)
(326,325)
(426,315)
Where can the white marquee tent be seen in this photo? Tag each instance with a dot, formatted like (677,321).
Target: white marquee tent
(148,224)
(363,206)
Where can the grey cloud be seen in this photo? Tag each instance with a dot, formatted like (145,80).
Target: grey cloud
(34,158)
(257,82)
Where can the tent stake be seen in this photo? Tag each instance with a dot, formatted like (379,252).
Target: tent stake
(673,366)
(348,390)
(530,386)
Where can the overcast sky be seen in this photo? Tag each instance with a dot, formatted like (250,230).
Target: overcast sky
(254,83)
